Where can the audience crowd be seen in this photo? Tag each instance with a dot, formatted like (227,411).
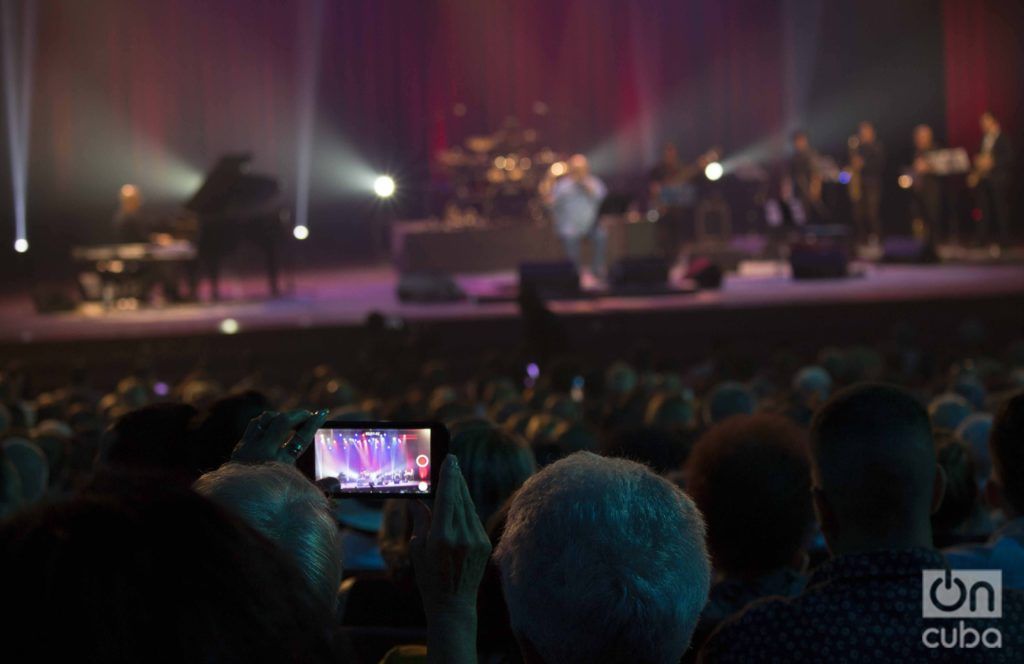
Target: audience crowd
(778,510)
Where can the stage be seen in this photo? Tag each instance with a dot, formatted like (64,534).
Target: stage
(344,297)
(759,307)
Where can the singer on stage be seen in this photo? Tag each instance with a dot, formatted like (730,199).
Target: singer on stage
(574,200)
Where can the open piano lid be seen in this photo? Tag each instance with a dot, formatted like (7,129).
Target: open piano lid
(229,187)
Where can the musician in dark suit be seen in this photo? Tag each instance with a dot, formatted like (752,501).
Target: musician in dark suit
(804,181)
(926,204)
(992,170)
(868,163)
(674,195)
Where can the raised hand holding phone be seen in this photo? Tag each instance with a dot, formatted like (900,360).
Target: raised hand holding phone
(281,437)
(449,550)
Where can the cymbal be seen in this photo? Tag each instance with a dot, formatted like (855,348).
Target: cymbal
(480,144)
(454,157)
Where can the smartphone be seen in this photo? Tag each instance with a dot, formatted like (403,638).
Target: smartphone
(379,459)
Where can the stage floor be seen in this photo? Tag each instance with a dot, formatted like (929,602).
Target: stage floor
(344,297)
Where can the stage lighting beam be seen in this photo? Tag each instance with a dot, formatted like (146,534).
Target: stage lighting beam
(310,32)
(18,38)
(384,186)
(714,171)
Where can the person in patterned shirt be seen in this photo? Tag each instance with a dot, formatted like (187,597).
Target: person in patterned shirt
(876,483)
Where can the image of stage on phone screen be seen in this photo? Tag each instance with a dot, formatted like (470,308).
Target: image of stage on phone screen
(375,461)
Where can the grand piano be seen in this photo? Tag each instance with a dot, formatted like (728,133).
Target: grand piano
(231,207)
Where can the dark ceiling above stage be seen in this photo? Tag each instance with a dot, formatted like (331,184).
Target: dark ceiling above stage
(152,92)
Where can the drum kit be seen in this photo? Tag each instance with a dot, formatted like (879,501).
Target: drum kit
(496,176)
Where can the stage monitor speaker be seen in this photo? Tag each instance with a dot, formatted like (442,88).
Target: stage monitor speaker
(704,272)
(51,299)
(429,287)
(908,249)
(550,279)
(822,253)
(640,273)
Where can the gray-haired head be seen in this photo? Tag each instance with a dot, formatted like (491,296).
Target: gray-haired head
(281,503)
(602,560)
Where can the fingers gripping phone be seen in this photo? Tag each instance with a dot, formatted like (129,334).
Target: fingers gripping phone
(379,459)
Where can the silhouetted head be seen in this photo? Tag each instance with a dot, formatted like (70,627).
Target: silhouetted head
(153,439)
(150,573)
(751,478)
(494,463)
(1006,488)
(876,479)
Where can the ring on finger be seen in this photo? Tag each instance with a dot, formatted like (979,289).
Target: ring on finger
(294,447)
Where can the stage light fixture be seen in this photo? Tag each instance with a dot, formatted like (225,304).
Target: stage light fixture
(905,181)
(384,186)
(714,171)
(559,168)
(21,245)
(300,232)
(229,326)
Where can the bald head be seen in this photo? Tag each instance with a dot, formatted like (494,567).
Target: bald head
(579,167)
(874,466)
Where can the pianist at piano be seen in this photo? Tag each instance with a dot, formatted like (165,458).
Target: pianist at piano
(232,206)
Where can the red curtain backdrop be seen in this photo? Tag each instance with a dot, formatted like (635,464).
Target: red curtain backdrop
(132,91)
(984,54)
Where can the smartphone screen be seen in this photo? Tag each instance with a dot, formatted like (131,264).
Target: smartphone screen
(379,459)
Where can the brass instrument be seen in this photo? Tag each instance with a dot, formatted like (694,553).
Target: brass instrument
(855,186)
(982,166)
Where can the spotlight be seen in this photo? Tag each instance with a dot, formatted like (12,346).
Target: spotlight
(384,186)
(559,168)
(905,181)
(21,245)
(714,171)
(229,326)
(300,232)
